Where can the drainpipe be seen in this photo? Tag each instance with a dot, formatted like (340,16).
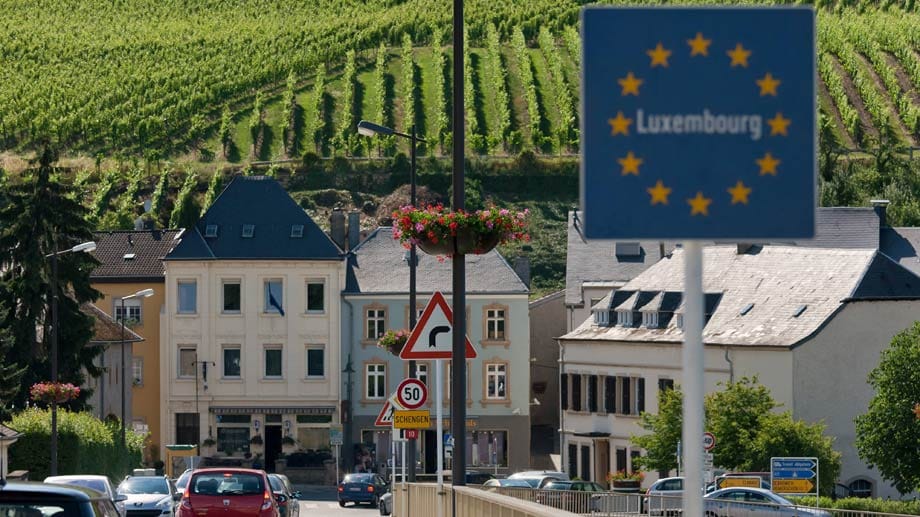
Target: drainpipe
(348,426)
(562,447)
(731,367)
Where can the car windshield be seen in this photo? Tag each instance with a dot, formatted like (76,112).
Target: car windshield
(558,485)
(144,485)
(532,482)
(277,485)
(521,483)
(95,484)
(227,483)
(359,478)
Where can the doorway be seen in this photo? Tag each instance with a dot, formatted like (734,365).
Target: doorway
(272,446)
(431,451)
(601,460)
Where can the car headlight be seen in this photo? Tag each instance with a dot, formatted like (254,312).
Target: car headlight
(165,504)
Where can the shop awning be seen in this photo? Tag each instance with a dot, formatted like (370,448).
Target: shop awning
(285,410)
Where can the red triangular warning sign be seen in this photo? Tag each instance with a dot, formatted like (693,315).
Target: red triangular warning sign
(385,418)
(432,337)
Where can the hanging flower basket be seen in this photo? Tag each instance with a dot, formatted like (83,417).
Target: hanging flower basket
(440,232)
(393,341)
(49,392)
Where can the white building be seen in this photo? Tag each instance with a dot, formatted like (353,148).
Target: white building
(250,336)
(809,322)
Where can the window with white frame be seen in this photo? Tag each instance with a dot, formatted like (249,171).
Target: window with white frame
(421,372)
(274,296)
(495,324)
(188,296)
(273,362)
(496,381)
(316,296)
(624,318)
(232,355)
(650,319)
(316,361)
(132,311)
(188,357)
(137,370)
(232,296)
(376,319)
(375,380)
(628,396)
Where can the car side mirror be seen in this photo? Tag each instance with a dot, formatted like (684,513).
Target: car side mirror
(120,497)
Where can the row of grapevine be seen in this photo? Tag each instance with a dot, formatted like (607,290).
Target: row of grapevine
(442,118)
(408,83)
(185,210)
(224,133)
(566,132)
(496,80)
(347,102)
(902,41)
(380,113)
(525,71)
(476,139)
(286,129)
(835,88)
(572,43)
(315,122)
(257,125)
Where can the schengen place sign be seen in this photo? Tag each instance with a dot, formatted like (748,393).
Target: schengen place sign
(698,123)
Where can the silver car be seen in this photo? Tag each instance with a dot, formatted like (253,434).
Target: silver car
(664,497)
(539,478)
(386,504)
(755,502)
(98,483)
(149,496)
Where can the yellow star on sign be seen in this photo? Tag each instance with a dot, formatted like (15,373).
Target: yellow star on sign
(659,193)
(768,85)
(739,193)
(739,56)
(630,164)
(630,84)
(778,125)
(699,204)
(659,55)
(768,164)
(619,125)
(699,45)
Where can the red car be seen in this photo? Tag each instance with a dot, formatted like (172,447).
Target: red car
(229,492)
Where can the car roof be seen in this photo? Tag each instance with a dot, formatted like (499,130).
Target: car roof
(235,470)
(740,488)
(77,477)
(537,474)
(75,492)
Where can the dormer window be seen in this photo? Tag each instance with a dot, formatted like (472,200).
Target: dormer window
(680,321)
(628,249)
(248,230)
(798,312)
(650,319)
(210,231)
(624,318)
(296,231)
(602,318)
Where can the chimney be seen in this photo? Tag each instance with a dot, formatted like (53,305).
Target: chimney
(744,247)
(337,227)
(354,229)
(522,268)
(881,210)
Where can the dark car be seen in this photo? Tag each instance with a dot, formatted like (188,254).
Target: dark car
(361,488)
(285,495)
(574,496)
(228,492)
(29,498)
(474,477)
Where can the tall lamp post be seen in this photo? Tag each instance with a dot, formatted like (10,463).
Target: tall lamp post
(85,247)
(144,293)
(370,129)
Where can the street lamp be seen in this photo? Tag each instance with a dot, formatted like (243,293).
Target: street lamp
(370,129)
(144,293)
(85,247)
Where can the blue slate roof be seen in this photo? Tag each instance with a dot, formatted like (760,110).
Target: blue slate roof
(261,202)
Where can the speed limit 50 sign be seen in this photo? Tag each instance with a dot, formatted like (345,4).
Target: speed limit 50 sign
(412,393)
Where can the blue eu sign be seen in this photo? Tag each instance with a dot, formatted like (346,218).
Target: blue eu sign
(698,123)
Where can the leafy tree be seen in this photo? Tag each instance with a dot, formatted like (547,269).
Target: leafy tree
(888,433)
(749,433)
(185,214)
(160,198)
(10,372)
(215,187)
(41,216)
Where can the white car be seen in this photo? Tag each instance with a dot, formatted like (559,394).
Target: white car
(98,483)
(664,497)
(755,502)
(539,478)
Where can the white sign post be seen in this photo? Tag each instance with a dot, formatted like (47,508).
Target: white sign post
(440,429)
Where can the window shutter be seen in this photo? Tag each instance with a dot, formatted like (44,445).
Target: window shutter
(592,393)
(576,392)
(564,391)
(610,394)
(640,394)
(626,407)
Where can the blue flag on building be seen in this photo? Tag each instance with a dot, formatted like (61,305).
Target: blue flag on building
(274,303)
(698,123)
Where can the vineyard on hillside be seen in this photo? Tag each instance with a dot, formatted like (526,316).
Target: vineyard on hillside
(240,82)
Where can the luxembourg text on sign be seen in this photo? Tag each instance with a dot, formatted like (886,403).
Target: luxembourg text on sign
(698,122)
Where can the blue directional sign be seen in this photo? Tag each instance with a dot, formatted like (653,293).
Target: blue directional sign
(794,475)
(698,122)
(794,463)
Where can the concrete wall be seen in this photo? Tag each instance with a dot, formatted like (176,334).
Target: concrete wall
(831,371)
(209,329)
(547,322)
(145,397)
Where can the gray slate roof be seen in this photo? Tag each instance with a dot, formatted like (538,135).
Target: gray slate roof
(380,265)
(262,202)
(148,246)
(596,261)
(901,244)
(777,280)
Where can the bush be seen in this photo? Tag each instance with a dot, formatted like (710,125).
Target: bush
(882,506)
(85,445)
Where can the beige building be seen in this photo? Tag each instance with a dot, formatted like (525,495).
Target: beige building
(250,333)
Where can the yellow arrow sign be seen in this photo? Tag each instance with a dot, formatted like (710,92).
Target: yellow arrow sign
(415,419)
(747,481)
(793,486)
